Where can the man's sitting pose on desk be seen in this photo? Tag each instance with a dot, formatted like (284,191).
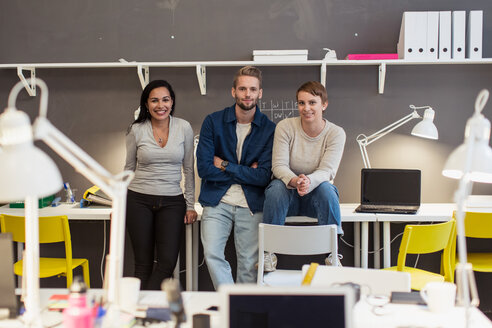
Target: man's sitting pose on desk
(234,160)
(306,154)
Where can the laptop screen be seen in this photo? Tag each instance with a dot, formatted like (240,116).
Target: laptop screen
(272,307)
(390,187)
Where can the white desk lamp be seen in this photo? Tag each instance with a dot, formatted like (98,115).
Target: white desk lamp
(424,129)
(28,173)
(470,162)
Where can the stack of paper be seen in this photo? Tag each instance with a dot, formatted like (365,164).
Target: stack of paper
(280,55)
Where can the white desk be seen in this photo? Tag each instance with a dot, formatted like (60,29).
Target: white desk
(389,316)
(74,212)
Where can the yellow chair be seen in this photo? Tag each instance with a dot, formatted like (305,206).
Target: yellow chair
(52,229)
(424,239)
(477,225)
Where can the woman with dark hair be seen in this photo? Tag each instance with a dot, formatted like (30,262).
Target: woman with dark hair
(158,146)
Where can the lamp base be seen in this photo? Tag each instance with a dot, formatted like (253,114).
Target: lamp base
(461,300)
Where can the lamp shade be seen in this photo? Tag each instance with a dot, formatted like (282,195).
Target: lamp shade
(481,163)
(24,169)
(474,156)
(426,128)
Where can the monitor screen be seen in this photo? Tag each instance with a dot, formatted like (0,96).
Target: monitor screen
(390,186)
(272,311)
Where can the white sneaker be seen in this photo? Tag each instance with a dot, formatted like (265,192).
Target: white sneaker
(269,262)
(330,261)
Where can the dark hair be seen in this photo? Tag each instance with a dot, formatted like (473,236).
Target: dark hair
(315,88)
(247,71)
(144,111)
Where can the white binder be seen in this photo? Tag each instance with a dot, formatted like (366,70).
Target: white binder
(432,35)
(413,36)
(474,34)
(458,34)
(444,35)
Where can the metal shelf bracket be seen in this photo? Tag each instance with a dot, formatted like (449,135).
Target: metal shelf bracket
(143,75)
(323,75)
(201,75)
(382,77)
(30,87)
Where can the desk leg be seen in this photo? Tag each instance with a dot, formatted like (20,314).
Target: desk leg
(387,244)
(377,256)
(196,242)
(365,244)
(357,244)
(189,257)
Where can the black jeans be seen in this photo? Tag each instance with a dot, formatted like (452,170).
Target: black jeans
(155,223)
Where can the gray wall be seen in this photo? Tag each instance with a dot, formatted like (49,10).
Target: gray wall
(95,106)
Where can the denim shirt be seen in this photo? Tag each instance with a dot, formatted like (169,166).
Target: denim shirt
(218,138)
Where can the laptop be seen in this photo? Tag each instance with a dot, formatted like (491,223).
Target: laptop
(8,300)
(389,191)
(253,306)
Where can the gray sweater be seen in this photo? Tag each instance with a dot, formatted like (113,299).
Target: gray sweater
(294,152)
(158,170)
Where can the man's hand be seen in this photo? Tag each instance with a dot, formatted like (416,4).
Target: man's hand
(254,165)
(217,162)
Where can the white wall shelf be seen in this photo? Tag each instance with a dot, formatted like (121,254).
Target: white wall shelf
(200,66)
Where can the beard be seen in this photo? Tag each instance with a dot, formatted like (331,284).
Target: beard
(246,107)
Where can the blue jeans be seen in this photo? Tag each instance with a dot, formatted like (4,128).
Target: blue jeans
(216,225)
(321,203)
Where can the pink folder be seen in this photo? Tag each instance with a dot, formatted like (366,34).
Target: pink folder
(371,56)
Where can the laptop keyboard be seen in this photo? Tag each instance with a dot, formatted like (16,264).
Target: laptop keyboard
(390,208)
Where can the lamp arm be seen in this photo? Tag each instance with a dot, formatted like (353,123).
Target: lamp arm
(78,158)
(115,186)
(364,140)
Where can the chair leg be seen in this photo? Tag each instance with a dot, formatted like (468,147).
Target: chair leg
(85,271)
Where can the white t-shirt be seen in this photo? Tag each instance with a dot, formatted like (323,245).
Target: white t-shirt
(235,194)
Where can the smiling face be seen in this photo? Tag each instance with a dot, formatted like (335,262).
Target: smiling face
(159,104)
(311,107)
(247,92)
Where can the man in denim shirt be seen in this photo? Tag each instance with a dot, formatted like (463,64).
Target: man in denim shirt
(234,161)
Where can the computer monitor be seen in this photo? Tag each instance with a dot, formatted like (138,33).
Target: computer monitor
(253,306)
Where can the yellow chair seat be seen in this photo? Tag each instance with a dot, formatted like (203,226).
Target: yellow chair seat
(419,278)
(481,262)
(49,267)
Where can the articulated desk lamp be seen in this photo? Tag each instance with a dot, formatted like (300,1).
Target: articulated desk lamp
(28,173)
(424,129)
(470,162)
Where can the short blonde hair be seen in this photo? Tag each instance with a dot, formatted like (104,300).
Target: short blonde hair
(247,71)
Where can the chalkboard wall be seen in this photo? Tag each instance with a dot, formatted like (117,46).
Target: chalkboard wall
(95,106)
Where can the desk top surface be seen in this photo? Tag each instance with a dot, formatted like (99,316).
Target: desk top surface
(366,314)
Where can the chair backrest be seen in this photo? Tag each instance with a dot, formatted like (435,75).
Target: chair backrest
(295,240)
(478,224)
(52,229)
(371,281)
(298,240)
(428,238)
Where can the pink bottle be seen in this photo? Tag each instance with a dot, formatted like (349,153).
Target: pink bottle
(78,314)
